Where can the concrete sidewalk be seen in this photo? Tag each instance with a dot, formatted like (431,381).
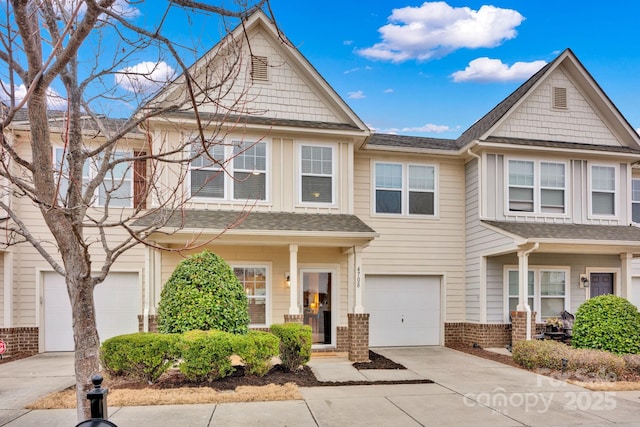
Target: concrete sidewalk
(468,391)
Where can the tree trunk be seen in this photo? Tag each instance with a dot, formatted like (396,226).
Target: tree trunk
(87,342)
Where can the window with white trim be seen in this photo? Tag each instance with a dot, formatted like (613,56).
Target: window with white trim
(405,189)
(254,281)
(116,189)
(316,174)
(237,171)
(537,186)
(635,200)
(603,190)
(547,290)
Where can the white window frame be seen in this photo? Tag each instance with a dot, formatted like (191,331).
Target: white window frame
(268,289)
(616,196)
(537,187)
(229,170)
(93,170)
(405,190)
(333,176)
(635,199)
(537,288)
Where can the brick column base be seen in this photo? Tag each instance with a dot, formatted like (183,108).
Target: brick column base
(153,323)
(293,318)
(358,337)
(519,325)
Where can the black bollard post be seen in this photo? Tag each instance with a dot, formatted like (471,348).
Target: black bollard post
(98,398)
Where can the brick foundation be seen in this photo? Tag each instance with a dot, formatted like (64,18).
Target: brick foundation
(483,334)
(342,340)
(294,318)
(20,341)
(358,337)
(153,323)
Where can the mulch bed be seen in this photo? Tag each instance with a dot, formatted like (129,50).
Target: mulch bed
(277,375)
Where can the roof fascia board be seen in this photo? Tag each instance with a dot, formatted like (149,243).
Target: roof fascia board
(501,147)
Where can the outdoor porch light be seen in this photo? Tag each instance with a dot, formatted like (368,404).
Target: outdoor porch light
(287,280)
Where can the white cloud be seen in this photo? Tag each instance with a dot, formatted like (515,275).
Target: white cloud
(347,42)
(353,70)
(55,101)
(436,29)
(428,128)
(388,90)
(356,95)
(494,70)
(121,7)
(144,77)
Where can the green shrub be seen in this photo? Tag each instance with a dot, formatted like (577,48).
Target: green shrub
(583,362)
(256,349)
(607,323)
(203,293)
(142,356)
(206,355)
(295,344)
(540,354)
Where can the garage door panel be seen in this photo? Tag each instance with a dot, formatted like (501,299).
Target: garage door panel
(117,301)
(404,310)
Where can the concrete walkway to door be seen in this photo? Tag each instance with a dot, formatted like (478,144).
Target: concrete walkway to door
(468,391)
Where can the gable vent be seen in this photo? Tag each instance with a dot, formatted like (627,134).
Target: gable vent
(560,98)
(259,68)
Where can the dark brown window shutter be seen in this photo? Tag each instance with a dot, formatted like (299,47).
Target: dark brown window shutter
(140,181)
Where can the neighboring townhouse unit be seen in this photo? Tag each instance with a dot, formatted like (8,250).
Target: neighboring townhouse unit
(372,239)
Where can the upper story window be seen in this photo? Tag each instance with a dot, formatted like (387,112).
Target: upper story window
(317,174)
(635,200)
(229,172)
(405,189)
(537,186)
(116,188)
(603,190)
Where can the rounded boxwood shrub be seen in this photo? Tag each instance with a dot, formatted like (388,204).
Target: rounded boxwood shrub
(206,355)
(607,322)
(203,293)
(142,356)
(295,344)
(256,349)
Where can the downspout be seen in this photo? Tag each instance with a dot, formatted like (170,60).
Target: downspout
(482,285)
(526,287)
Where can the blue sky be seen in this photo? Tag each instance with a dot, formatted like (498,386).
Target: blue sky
(419,96)
(421,68)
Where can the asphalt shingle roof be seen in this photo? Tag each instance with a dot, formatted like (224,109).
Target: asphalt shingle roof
(534,230)
(258,221)
(403,141)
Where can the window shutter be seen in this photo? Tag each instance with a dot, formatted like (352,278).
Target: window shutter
(140,181)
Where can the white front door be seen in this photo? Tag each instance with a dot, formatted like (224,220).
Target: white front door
(404,310)
(117,301)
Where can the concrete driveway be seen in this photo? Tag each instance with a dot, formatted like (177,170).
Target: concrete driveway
(468,391)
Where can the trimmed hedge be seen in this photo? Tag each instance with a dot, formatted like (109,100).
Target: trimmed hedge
(206,355)
(607,322)
(203,293)
(143,356)
(256,349)
(295,344)
(548,354)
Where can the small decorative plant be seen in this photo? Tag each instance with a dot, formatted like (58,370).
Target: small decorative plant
(554,323)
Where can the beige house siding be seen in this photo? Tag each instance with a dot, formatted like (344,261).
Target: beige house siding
(286,94)
(420,246)
(535,118)
(480,241)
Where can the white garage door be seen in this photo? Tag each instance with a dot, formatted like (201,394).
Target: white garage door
(117,300)
(404,310)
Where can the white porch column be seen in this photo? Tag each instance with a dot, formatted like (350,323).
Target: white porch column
(148,280)
(293,277)
(358,279)
(523,282)
(626,279)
